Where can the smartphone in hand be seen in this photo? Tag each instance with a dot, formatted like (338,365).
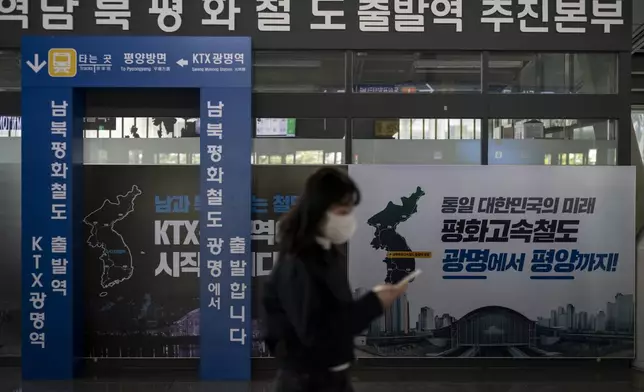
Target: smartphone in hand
(410,277)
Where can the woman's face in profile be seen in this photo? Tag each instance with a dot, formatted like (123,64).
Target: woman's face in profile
(340,224)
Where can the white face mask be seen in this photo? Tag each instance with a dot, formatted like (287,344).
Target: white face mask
(339,228)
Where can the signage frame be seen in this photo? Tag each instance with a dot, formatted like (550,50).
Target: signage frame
(55,72)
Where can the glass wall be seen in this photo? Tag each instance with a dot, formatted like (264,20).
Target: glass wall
(421,140)
(552,73)
(552,142)
(416,72)
(429,141)
(173,140)
(288,141)
(299,72)
(9,69)
(299,141)
(140,127)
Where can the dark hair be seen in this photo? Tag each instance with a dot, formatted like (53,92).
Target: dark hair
(326,187)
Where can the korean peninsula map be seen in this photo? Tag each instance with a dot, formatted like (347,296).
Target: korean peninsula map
(116,258)
(386,236)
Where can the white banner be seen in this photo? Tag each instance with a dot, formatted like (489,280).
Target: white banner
(518,260)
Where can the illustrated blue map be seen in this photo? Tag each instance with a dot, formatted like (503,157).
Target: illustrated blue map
(116,257)
(387,237)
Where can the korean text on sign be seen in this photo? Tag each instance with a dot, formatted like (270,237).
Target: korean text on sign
(225,255)
(545,264)
(213,206)
(412,16)
(59,187)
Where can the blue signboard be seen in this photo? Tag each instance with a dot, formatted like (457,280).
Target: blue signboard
(54,72)
(225,243)
(48,220)
(136,62)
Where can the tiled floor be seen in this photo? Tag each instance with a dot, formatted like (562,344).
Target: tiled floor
(382,380)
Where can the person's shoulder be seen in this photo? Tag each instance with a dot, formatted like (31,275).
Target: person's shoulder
(289,267)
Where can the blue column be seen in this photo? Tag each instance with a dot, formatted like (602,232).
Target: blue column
(226,265)
(50,149)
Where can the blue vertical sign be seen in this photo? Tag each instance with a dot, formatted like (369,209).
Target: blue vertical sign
(54,72)
(48,223)
(225,234)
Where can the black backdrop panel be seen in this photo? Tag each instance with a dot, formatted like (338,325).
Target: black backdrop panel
(327,24)
(154,312)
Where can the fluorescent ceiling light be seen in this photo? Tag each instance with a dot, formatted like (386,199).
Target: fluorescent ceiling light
(287,89)
(506,64)
(473,64)
(286,63)
(449,71)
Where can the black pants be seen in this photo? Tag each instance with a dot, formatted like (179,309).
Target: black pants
(324,381)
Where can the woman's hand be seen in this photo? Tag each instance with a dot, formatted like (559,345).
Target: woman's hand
(388,293)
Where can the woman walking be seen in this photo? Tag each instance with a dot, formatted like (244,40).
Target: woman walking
(311,317)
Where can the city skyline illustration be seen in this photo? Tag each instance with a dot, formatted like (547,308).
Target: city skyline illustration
(617,316)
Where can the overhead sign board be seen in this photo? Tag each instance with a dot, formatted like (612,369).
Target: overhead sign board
(592,25)
(140,62)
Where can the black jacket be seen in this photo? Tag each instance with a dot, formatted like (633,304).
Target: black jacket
(311,317)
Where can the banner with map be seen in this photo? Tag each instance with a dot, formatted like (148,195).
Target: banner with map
(142,255)
(518,261)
